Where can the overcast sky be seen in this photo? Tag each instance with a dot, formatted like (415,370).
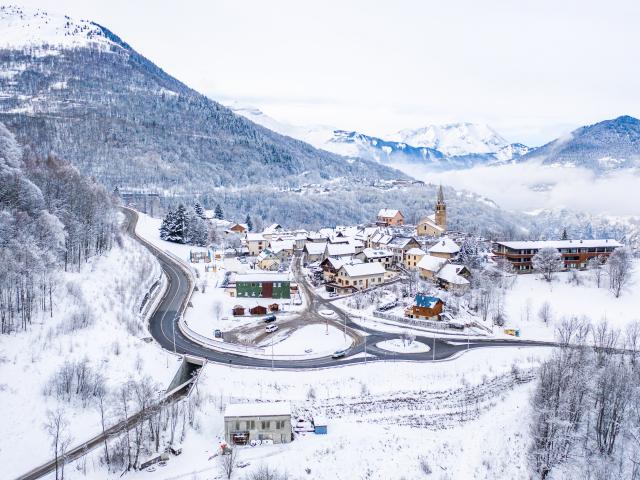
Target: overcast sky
(533,71)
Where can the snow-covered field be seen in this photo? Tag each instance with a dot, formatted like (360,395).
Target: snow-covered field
(523,301)
(111,342)
(399,346)
(311,341)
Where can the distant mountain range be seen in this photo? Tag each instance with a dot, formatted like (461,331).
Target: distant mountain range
(76,90)
(607,145)
(441,147)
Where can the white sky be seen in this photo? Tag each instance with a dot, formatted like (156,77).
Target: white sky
(532,70)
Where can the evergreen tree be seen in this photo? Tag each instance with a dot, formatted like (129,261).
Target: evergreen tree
(177,228)
(564,234)
(249,223)
(198,209)
(197,230)
(218,212)
(165,227)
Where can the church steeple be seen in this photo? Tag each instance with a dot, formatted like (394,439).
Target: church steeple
(441,210)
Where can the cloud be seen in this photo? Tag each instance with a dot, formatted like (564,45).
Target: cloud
(531,186)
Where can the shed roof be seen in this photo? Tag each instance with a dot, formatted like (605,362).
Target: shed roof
(257,409)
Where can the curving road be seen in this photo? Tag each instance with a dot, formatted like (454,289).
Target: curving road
(164,329)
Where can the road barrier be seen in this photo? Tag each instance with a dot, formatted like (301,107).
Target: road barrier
(412,321)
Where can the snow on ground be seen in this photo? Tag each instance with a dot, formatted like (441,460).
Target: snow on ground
(399,346)
(212,306)
(524,299)
(311,341)
(113,346)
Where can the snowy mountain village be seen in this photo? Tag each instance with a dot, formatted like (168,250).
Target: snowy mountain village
(383,290)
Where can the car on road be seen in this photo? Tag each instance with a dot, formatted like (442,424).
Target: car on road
(269,318)
(271,328)
(217,333)
(333,294)
(339,354)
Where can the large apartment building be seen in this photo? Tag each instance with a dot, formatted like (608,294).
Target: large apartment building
(575,253)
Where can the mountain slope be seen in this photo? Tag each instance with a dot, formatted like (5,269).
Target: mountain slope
(607,145)
(77,90)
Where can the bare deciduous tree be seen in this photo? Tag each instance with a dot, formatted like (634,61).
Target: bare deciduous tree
(545,313)
(228,462)
(594,265)
(547,261)
(56,427)
(619,267)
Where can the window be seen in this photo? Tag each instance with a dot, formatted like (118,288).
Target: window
(266,424)
(251,425)
(237,424)
(279,424)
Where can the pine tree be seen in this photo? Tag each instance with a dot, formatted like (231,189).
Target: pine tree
(177,229)
(198,209)
(564,234)
(249,223)
(218,212)
(165,227)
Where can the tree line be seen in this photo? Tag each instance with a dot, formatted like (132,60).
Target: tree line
(51,219)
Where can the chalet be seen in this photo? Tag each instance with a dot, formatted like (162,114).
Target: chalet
(453,277)
(343,251)
(263,285)
(444,248)
(239,228)
(425,308)
(390,217)
(330,267)
(268,260)
(359,276)
(369,255)
(255,243)
(429,266)
(379,240)
(575,253)
(400,246)
(244,422)
(238,311)
(271,230)
(314,251)
(412,257)
(283,249)
(258,310)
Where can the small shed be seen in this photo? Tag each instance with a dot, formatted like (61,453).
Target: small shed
(258,310)
(238,311)
(274,307)
(319,425)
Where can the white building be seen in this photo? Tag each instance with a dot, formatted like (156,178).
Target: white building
(244,422)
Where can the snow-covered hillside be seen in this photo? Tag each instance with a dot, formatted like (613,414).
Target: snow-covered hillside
(23,28)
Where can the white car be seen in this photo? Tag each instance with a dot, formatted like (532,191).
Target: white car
(271,328)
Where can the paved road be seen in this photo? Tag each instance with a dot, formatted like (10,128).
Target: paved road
(163,328)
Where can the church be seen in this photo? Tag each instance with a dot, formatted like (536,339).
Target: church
(434,225)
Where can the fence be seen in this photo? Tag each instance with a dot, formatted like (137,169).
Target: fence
(411,321)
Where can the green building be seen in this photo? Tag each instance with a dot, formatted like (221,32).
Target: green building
(263,285)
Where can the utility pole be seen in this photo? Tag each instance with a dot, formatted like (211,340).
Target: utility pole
(365,349)
(434,347)
(173,328)
(272,353)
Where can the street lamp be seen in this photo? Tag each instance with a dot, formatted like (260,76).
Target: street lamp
(173,328)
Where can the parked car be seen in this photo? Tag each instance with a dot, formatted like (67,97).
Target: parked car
(270,318)
(333,294)
(271,328)
(217,333)
(339,354)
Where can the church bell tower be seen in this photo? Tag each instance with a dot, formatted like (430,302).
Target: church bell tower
(441,210)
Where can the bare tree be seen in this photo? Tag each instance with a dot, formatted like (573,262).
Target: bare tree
(605,340)
(228,462)
(547,261)
(632,340)
(594,265)
(619,267)
(56,426)
(545,313)
(217,310)
(101,395)
(612,397)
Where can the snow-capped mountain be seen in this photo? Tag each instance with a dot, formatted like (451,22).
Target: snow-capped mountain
(476,144)
(75,89)
(454,138)
(607,145)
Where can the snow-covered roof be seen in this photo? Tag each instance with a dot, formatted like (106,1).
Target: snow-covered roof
(374,253)
(445,245)
(274,227)
(450,274)
(538,244)
(416,251)
(363,269)
(267,409)
(315,248)
(426,301)
(388,213)
(431,263)
(280,245)
(340,249)
(400,242)
(254,237)
(262,277)
(431,221)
